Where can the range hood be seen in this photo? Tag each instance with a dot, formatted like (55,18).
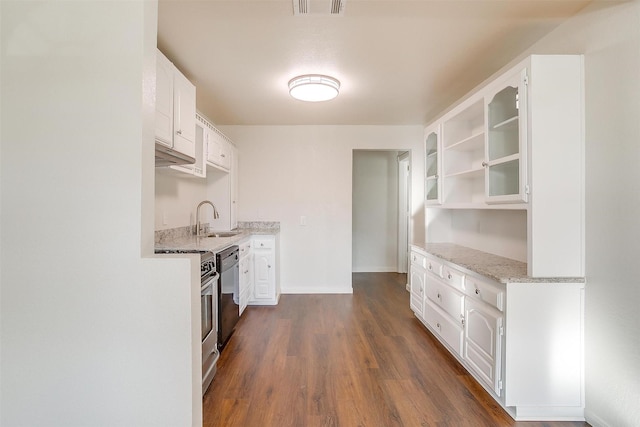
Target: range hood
(165,156)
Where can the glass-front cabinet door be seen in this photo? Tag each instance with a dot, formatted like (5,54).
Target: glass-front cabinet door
(433,181)
(505,148)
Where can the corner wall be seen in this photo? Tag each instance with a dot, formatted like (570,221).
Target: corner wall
(92,333)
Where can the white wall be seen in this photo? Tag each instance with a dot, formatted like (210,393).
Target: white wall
(176,197)
(375,211)
(92,333)
(609,36)
(291,171)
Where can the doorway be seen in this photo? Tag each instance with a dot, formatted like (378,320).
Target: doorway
(376,234)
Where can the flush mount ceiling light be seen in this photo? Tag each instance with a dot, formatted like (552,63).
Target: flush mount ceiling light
(314,87)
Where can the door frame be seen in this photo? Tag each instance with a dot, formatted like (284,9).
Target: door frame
(404,210)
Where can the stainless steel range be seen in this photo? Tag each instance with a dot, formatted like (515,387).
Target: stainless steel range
(208,311)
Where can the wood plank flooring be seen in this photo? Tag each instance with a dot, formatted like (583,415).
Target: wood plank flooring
(346,360)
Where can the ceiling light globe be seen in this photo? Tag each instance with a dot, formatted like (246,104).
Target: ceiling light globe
(314,87)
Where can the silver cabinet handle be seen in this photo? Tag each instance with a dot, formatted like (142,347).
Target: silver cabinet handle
(477,291)
(179,132)
(449,276)
(485,164)
(430,268)
(438,296)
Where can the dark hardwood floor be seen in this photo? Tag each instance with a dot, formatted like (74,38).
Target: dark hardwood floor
(346,360)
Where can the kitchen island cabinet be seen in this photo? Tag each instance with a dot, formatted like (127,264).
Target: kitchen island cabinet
(520,337)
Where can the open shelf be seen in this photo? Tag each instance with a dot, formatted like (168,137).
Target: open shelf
(469,173)
(471,143)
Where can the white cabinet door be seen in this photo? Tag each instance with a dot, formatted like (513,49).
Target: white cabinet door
(483,333)
(164,100)
(214,148)
(433,166)
(184,115)
(264,274)
(233,176)
(417,283)
(506,148)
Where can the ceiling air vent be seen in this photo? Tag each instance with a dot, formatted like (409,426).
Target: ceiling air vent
(318,7)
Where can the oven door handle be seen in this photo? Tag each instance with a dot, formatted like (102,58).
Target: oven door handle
(209,284)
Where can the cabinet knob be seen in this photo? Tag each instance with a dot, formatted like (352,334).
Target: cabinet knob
(179,131)
(438,296)
(436,176)
(438,325)
(268,266)
(485,164)
(477,291)
(449,276)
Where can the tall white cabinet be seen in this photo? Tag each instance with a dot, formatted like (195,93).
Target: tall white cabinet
(510,156)
(518,144)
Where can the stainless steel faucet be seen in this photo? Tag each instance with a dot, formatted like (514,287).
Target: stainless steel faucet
(215,215)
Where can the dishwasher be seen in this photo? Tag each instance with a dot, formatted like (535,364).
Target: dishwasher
(228,293)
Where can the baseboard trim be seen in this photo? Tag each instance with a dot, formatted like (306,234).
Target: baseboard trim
(374,269)
(595,420)
(318,290)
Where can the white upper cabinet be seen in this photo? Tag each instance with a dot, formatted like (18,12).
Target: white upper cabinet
(433,190)
(505,148)
(184,114)
(175,108)
(492,139)
(164,100)
(219,151)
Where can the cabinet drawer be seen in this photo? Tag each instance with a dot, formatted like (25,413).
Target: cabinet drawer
(264,243)
(244,248)
(433,266)
(449,300)
(418,259)
(453,277)
(448,330)
(484,291)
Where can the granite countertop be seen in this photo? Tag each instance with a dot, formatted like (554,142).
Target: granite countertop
(183,239)
(500,269)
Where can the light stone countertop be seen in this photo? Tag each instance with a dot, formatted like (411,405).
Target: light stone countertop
(184,241)
(500,269)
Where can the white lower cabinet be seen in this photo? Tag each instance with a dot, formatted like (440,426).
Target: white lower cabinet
(483,334)
(417,275)
(246,274)
(523,342)
(266,281)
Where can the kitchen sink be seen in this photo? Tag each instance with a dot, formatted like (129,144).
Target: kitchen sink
(223,234)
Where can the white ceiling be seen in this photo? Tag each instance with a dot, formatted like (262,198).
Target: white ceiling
(399,62)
